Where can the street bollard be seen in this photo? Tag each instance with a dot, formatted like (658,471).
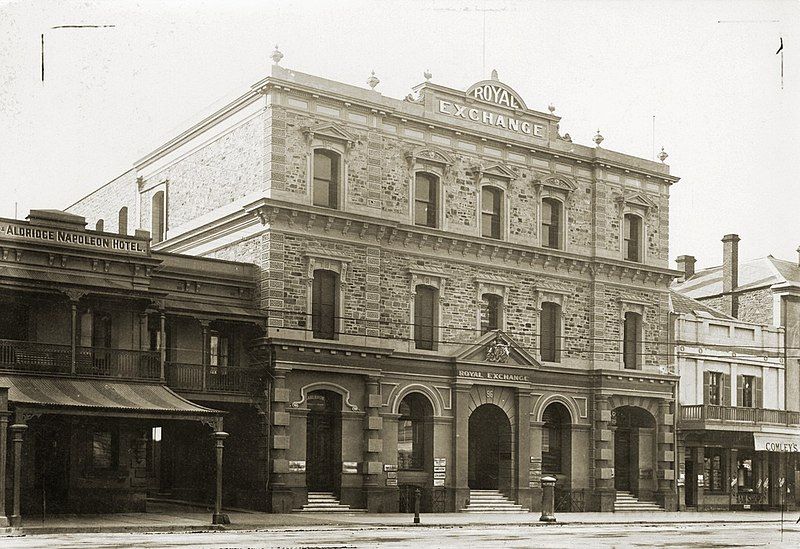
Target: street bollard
(548,499)
(416,506)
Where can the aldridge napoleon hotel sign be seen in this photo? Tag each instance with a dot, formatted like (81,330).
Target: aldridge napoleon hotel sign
(72,238)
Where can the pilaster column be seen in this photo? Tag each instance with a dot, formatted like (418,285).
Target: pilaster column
(523,449)
(602,440)
(665,447)
(73,331)
(18,430)
(281,500)
(372,468)
(162,345)
(733,476)
(218,517)
(3,444)
(206,335)
(461,446)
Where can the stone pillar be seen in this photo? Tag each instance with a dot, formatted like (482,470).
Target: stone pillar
(523,448)
(372,469)
(665,448)
(548,499)
(281,500)
(461,446)
(18,430)
(3,448)
(219,517)
(535,464)
(604,492)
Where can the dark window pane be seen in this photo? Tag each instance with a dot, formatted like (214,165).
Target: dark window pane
(326,179)
(324,305)
(122,222)
(632,237)
(157,217)
(550,331)
(551,223)
(424,310)
(491,309)
(631,340)
(491,203)
(425,193)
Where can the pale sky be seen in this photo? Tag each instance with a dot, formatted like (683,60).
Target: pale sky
(707,71)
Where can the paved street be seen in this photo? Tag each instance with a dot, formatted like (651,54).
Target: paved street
(508,536)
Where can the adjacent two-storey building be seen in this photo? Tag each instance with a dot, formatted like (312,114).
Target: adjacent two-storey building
(118,367)
(739,424)
(458,298)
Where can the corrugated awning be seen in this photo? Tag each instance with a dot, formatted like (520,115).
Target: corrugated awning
(776,442)
(109,397)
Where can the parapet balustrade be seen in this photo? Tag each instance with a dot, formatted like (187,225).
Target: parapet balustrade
(737,415)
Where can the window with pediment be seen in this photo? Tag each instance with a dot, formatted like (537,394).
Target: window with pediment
(325,178)
(632,344)
(327,276)
(632,237)
(426,199)
(634,209)
(554,193)
(491,312)
(551,304)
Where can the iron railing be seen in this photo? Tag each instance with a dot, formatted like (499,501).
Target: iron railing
(738,414)
(199,377)
(50,358)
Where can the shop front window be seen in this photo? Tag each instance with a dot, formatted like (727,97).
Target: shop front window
(744,475)
(714,469)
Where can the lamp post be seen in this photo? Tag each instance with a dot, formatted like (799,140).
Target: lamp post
(548,499)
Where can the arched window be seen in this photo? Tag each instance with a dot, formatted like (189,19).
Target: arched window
(414,433)
(122,224)
(324,304)
(424,317)
(158,220)
(99,225)
(326,179)
(491,312)
(426,187)
(491,212)
(550,332)
(551,223)
(632,237)
(632,340)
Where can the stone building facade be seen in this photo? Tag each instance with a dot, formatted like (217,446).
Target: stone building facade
(457,297)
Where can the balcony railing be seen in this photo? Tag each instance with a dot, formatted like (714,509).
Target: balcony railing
(738,415)
(50,358)
(206,378)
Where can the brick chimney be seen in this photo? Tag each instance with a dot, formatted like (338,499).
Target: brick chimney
(686,264)
(730,272)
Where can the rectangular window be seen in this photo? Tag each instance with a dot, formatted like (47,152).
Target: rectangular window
(714,470)
(326,179)
(425,192)
(424,313)
(550,331)
(633,233)
(745,479)
(219,352)
(715,388)
(104,449)
(491,208)
(631,351)
(491,310)
(324,304)
(748,386)
(551,223)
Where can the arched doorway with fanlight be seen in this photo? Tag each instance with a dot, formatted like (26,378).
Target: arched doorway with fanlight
(634,451)
(490,449)
(323,441)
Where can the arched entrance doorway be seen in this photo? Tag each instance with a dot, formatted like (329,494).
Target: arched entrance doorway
(634,450)
(557,443)
(490,465)
(323,441)
(415,451)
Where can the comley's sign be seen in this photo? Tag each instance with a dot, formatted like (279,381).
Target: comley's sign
(105,242)
(493,93)
(776,442)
